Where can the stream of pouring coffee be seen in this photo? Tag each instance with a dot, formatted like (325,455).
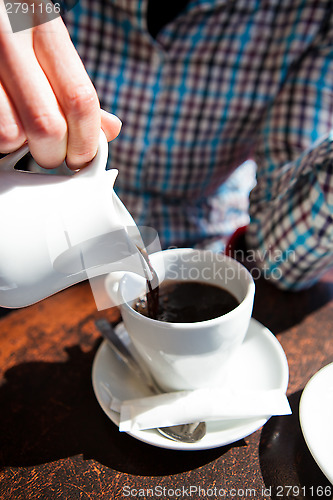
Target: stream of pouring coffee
(152,286)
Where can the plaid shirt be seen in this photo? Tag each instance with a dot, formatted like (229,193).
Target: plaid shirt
(224,82)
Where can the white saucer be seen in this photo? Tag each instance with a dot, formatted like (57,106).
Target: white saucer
(316,418)
(260,363)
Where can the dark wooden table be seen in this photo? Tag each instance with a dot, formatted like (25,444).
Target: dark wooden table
(56,442)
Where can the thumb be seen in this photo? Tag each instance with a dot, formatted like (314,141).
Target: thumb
(110,125)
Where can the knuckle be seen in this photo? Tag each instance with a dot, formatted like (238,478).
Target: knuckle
(11,137)
(46,125)
(76,160)
(80,100)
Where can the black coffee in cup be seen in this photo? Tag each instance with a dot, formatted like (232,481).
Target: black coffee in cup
(186,302)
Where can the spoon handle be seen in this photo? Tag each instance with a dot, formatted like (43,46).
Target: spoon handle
(187,433)
(107,331)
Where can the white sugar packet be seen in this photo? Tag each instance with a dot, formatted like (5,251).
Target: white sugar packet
(202,404)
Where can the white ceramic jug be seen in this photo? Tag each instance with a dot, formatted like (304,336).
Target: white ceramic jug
(58,230)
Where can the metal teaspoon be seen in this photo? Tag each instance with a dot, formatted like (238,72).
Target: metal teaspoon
(186,433)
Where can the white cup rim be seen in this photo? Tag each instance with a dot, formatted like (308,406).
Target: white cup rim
(199,324)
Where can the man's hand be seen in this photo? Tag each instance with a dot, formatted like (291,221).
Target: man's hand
(47,98)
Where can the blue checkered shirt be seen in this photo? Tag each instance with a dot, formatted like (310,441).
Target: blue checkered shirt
(227,91)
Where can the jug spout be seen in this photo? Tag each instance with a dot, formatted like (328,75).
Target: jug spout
(96,234)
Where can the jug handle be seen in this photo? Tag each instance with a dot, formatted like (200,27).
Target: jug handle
(97,164)
(9,161)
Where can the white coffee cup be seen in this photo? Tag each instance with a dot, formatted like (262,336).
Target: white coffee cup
(183,356)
